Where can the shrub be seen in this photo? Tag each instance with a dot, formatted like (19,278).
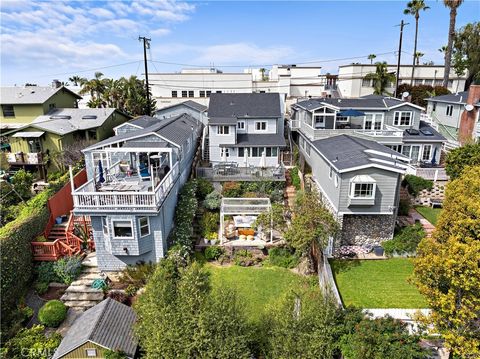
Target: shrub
(209,222)
(119,296)
(459,158)
(131,290)
(283,257)
(204,187)
(68,269)
(115,354)
(52,314)
(405,241)
(41,288)
(232,189)
(416,184)
(184,214)
(213,200)
(26,312)
(22,182)
(31,343)
(404,207)
(137,275)
(45,272)
(213,252)
(244,258)
(295,178)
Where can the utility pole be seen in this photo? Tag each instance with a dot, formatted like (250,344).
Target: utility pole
(146,45)
(402,24)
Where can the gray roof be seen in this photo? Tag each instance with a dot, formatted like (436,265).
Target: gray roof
(108,324)
(176,129)
(426,133)
(235,105)
(189,103)
(65,120)
(255,140)
(453,98)
(346,152)
(16,95)
(366,102)
(144,121)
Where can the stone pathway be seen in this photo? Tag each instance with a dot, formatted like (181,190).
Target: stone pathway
(290,191)
(80,295)
(427,226)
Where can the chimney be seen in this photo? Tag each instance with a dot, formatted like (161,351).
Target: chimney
(56,84)
(467,121)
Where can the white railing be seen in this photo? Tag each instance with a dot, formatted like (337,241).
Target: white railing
(87,200)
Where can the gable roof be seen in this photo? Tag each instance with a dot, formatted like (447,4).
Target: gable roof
(30,95)
(453,98)
(144,121)
(236,105)
(66,120)
(175,129)
(108,324)
(347,153)
(369,102)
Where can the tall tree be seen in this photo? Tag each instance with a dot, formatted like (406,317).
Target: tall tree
(371,57)
(466,53)
(413,8)
(382,79)
(453,6)
(77,80)
(447,267)
(462,157)
(418,55)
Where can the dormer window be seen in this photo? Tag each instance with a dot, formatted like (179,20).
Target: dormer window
(403,118)
(261,126)
(362,191)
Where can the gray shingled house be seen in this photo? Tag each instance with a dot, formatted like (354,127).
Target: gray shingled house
(133,182)
(359,181)
(106,326)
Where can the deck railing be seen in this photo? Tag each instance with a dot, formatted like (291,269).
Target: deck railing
(86,199)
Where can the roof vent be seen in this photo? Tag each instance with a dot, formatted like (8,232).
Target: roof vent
(89,117)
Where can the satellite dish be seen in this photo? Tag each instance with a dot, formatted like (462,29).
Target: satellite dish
(405,94)
(468,107)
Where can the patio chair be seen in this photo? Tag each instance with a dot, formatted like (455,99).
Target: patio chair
(143,174)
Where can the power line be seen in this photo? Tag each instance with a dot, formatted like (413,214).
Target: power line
(88,70)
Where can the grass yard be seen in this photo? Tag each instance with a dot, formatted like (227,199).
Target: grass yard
(377,283)
(431,214)
(257,286)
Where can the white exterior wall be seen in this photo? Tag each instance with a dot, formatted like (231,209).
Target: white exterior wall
(271,126)
(350,78)
(440,113)
(215,140)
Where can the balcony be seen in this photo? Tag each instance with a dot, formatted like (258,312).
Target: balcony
(25,158)
(124,193)
(230,171)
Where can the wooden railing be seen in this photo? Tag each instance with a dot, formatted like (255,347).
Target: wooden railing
(86,200)
(51,251)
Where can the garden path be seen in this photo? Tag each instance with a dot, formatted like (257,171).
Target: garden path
(427,226)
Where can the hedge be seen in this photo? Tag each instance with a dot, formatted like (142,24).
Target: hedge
(416,184)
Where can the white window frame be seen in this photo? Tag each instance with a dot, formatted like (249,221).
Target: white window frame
(221,130)
(226,151)
(308,149)
(418,154)
(103,157)
(105,229)
(241,125)
(398,120)
(430,152)
(140,226)
(449,111)
(122,220)
(373,120)
(354,184)
(259,128)
(90,352)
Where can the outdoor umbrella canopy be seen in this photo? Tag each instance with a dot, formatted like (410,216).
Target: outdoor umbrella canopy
(433,157)
(245,157)
(101,179)
(351,113)
(263,160)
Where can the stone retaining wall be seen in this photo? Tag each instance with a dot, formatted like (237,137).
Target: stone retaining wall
(425,196)
(362,230)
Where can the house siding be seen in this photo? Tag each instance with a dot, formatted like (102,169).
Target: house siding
(179,110)
(80,352)
(390,117)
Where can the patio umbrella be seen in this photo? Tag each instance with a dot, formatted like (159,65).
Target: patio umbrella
(351,113)
(245,157)
(263,160)
(101,179)
(433,157)
(224,155)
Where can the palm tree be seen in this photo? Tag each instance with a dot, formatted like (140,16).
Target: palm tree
(96,88)
(371,57)
(417,56)
(413,8)
(382,79)
(453,5)
(77,80)
(262,71)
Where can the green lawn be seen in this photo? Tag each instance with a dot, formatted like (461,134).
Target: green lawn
(431,214)
(257,286)
(377,283)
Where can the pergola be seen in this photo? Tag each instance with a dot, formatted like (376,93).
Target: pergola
(244,206)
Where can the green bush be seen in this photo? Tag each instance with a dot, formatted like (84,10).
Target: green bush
(115,354)
(137,275)
(131,290)
(232,189)
(184,214)
(22,182)
(41,288)
(213,201)
(404,207)
(405,241)
(26,312)
(68,269)
(209,222)
(416,184)
(282,257)
(45,272)
(295,178)
(204,187)
(32,344)
(213,253)
(52,314)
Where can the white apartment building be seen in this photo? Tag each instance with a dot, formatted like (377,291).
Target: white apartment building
(351,81)
(291,81)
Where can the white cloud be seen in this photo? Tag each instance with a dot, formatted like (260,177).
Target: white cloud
(160,32)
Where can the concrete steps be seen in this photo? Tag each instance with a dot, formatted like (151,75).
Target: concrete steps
(86,304)
(82,296)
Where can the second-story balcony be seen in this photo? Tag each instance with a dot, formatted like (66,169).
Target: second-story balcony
(123,191)
(25,158)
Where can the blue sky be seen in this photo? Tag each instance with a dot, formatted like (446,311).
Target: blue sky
(43,40)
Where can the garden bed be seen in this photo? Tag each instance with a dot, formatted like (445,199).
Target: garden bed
(377,284)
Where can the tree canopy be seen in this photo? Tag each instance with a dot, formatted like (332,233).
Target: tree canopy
(466,52)
(382,79)
(459,158)
(447,267)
